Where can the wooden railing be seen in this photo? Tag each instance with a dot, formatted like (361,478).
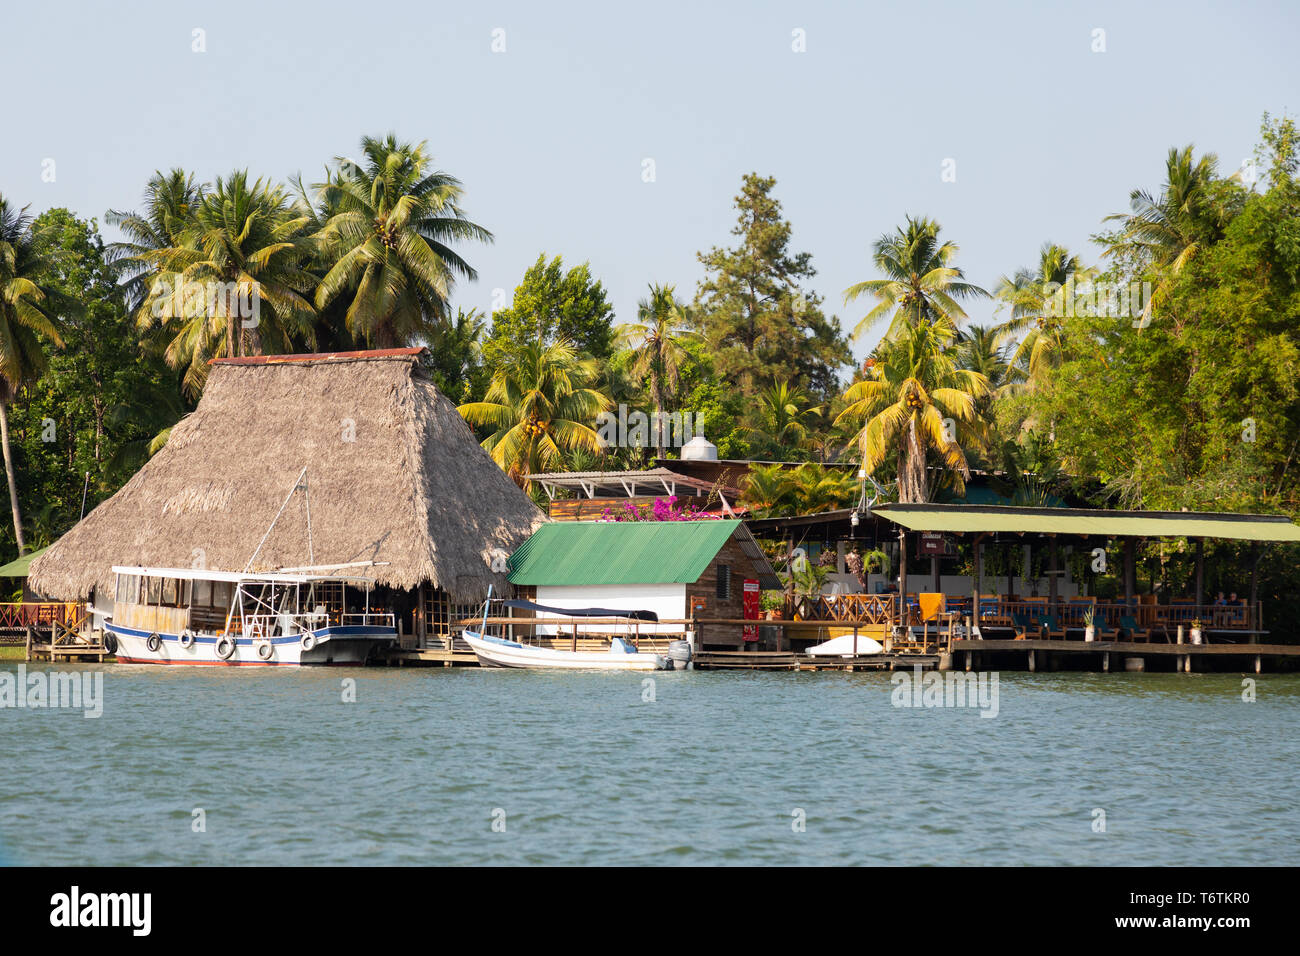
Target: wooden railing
(15,617)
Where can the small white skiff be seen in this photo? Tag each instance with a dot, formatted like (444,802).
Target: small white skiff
(499,652)
(842,646)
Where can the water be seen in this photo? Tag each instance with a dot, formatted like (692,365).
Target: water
(712,771)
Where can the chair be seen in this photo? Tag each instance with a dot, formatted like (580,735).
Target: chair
(1129,629)
(1049,626)
(1023,623)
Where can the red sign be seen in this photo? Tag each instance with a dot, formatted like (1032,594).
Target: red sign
(931,543)
(753,607)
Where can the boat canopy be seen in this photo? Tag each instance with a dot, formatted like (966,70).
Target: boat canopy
(585,611)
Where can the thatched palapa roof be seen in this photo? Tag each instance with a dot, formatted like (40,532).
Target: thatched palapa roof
(394,474)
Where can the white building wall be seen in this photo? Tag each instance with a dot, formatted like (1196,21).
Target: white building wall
(666,600)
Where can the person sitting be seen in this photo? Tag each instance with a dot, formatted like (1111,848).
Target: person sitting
(1220,600)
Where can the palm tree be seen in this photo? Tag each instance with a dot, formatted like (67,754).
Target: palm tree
(170,201)
(921,284)
(244,242)
(539,407)
(1168,230)
(1038,307)
(658,344)
(391,218)
(818,488)
(768,490)
(783,416)
(913,390)
(27,315)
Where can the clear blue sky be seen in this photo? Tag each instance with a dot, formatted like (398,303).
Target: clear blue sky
(549,137)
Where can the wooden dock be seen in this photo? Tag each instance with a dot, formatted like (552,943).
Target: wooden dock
(1044,654)
(794,661)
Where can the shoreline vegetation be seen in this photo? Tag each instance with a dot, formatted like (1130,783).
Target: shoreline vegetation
(1157,369)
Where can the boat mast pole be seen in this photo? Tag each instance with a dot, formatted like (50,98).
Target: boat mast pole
(296,485)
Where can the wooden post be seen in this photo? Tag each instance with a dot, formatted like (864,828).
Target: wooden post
(1031,662)
(1200,574)
(979,579)
(1254,612)
(902,576)
(421,621)
(934,573)
(1130,569)
(1105,662)
(1006,557)
(1052,589)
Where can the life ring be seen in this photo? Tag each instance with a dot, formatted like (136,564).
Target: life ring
(308,641)
(266,650)
(225,647)
(187,638)
(153,642)
(110,642)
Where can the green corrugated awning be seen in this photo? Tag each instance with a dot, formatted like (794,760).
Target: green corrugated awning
(1145,524)
(619,552)
(17,568)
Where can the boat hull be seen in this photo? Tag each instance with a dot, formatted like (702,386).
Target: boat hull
(350,645)
(499,653)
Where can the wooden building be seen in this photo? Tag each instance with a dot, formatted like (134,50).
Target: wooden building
(677,569)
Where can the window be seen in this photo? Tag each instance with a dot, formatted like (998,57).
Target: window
(203,593)
(724,582)
(153,590)
(169,592)
(222,592)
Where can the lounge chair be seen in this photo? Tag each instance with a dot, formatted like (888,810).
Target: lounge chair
(1130,629)
(1049,627)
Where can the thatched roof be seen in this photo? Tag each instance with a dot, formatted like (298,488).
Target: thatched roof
(394,475)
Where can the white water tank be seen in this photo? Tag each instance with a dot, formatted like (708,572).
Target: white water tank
(699,448)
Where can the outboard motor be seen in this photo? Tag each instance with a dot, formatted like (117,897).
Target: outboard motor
(679,653)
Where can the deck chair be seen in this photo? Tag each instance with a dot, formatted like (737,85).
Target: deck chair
(1049,626)
(931,604)
(1129,629)
(1022,623)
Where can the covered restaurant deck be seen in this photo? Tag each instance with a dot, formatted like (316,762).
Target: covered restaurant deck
(934,612)
(1133,618)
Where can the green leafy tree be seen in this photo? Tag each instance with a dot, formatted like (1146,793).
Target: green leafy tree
(1038,307)
(753,308)
(552,305)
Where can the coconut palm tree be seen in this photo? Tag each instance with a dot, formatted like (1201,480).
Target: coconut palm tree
(243,250)
(1037,298)
(386,241)
(817,488)
(170,201)
(28,315)
(658,343)
(783,417)
(921,284)
(1168,230)
(539,406)
(915,399)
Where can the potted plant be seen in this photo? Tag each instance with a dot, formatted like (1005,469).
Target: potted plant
(1196,631)
(1090,624)
(772,604)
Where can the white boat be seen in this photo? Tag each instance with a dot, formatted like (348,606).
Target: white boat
(843,646)
(496,651)
(220,618)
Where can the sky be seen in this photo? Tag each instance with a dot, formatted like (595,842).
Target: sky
(619,133)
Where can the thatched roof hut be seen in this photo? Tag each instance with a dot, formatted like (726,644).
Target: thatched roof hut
(394,476)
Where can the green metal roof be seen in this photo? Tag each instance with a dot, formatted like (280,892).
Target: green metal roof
(17,568)
(619,552)
(1084,521)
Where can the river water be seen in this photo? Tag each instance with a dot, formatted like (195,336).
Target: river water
(466,766)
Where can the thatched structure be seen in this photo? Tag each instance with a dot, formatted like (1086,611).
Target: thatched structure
(394,475)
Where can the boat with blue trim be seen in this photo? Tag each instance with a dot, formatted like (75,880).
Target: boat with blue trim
(284,618)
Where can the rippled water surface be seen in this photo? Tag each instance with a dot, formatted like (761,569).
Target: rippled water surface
(713,770)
